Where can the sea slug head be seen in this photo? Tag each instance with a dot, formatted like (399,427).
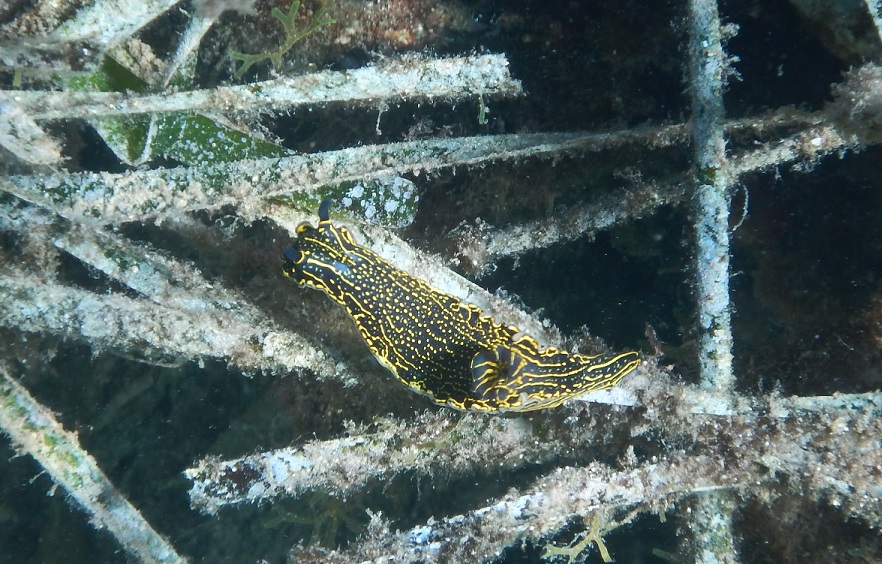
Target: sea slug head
(321,257)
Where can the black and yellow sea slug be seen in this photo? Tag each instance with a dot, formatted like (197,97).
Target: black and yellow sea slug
(433,342)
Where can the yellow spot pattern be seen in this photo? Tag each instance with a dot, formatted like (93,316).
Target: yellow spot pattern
(436,344)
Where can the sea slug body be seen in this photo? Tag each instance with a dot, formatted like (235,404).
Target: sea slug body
(436,344)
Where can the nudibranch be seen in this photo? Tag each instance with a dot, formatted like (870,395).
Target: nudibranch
(433,342)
